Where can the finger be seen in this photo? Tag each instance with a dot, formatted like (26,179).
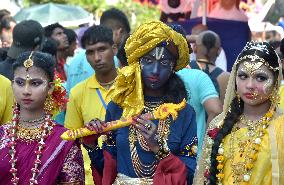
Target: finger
(141,128)
(99,126)
(91,125)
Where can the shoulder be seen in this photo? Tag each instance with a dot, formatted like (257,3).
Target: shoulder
(5,82)
(191,75)
(113,107)
(223,77)
(78,89)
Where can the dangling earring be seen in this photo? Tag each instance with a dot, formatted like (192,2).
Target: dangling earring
(274,97)
(48,104)
(239,99)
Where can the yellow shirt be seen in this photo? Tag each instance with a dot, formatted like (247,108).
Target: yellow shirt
(83,106)
(6,100)
(267,168)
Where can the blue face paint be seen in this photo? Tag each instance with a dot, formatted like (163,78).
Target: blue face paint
(156,66)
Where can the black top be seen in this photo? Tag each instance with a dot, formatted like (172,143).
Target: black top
(6,68)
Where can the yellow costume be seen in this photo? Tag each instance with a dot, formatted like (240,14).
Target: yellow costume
(6,100)
(267,164)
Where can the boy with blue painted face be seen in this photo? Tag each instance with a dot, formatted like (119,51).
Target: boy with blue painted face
(160,152)
(157,66)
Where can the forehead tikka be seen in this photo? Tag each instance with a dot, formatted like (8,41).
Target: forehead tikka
(253,62)
(28,64)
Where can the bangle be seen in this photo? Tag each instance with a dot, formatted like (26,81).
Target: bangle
(163,151)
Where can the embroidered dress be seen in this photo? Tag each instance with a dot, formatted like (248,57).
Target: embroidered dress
(177,168)
(61,161)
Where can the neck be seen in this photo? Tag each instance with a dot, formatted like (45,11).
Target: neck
(106,77)
(257,111)
(31,115)
(153,92)
(202,61)
(61,54)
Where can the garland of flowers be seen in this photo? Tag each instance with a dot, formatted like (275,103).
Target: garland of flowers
(251,155)
(46,129)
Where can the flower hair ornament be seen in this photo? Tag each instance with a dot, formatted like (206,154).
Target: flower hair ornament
(57,100)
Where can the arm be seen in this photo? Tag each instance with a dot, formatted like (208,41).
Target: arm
(223,82)
(73,118)
(213,108)
(103,161)
(9,100)
(72,171)
(179,166)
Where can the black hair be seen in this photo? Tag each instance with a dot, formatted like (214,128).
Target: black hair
(50,46)
(71,35)
(209,41)
(233,115)
(121,55)
(117,15)
(5,22)
(4,12)
(95,34)
(41,60)
(178,28)
(48,30)
(175,90)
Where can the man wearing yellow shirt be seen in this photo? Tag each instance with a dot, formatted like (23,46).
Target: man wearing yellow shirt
(88,99)
(6,100)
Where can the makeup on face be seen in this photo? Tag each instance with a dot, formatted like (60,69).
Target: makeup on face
(156,66)
(30,91)
(255,81)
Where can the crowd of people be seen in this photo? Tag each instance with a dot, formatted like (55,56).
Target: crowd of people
(230,130)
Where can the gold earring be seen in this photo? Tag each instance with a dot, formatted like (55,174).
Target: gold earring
(274,97)
(48,104)
(238,98)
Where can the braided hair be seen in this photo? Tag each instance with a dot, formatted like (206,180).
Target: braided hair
(264,51)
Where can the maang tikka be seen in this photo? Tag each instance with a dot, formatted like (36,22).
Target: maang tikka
(28,64)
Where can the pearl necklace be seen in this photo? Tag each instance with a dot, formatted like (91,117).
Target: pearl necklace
(46,129)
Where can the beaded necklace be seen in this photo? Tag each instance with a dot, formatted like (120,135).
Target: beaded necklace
(13,135)
(140,169)
(242,170)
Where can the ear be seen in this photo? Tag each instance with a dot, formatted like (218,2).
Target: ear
(114,49)
(50,87)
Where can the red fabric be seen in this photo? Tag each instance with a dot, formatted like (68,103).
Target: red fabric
(109,171)
(170,171)
(60,69)
(96,176)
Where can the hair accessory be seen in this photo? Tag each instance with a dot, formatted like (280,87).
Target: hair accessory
(29,62)
(256,46)
(57,100)
(257,61)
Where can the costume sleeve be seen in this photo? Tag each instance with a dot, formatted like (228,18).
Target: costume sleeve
(73,167)
(104,160)
(73,118)
(8,104)
(180,165)
(206,88)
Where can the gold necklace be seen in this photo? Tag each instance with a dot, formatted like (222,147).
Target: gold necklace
(106,85)
(140,169)
(248,150)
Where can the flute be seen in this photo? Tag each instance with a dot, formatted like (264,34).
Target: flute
(161,112)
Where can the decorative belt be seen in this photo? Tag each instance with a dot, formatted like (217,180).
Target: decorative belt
(125,180)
